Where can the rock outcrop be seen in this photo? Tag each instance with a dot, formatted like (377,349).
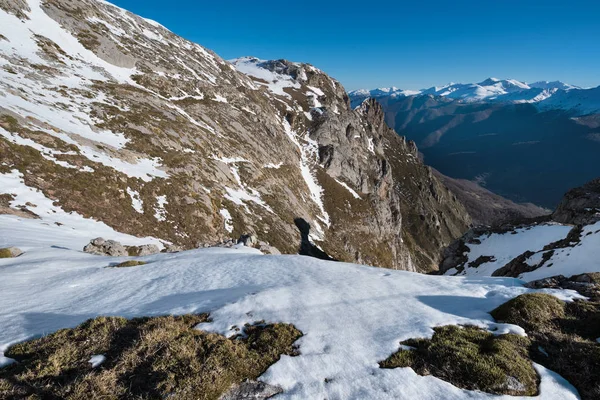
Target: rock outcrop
(580,206)
(112,248)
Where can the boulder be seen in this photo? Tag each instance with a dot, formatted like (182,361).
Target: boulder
(267,248)
(143,250)
(172,248)
(251,390)
(102,247)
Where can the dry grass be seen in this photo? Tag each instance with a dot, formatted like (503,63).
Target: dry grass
(146,358)
(471,358)
(5,253)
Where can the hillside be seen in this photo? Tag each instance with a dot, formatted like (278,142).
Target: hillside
(116,118)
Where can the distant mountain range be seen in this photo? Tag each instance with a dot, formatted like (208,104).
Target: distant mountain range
(527,142)
(546,95)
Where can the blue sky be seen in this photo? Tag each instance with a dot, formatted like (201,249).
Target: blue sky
(411,45)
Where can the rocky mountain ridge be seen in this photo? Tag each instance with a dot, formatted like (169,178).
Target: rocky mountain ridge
(116,118)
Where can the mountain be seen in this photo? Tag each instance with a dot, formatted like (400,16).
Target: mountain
(528,145)
(116,118)
(124,148)
(546,95)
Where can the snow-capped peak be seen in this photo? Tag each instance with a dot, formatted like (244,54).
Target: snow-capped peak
(554,94)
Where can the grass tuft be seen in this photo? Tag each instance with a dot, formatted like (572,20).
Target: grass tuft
(566,332)
(471,358)
(5,253)
(532,311)
(146,358)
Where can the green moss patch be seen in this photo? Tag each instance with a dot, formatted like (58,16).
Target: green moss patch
(145,358)
(563,336)
(471,358)
(532,311)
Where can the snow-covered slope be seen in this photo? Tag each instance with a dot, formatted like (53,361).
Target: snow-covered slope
(547,95)
(352,316)
(534,252)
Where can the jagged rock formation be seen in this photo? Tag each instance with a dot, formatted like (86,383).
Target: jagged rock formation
(566,243)
(114,117)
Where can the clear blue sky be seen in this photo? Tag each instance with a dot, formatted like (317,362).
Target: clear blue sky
(409,44)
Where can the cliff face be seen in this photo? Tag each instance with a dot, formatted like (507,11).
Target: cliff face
(114,117)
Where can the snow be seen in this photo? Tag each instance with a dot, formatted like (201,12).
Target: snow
(348,188)
(275,82)
(545,95)
(97,360)
(506,246)
(80,230)
(136,201)
(220,99)
(352,316)
(243,193)
(570,261)
(309,154)
(228,224)
(159,211)
(273,166)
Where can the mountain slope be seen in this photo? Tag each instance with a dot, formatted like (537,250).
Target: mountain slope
(116,118)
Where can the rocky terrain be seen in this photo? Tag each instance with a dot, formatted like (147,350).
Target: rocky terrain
(114,117)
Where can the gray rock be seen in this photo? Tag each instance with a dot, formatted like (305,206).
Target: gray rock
(98,241)
(580,206)
(147,249)
(251,390)
(103,247)
(172,248)
(267,248)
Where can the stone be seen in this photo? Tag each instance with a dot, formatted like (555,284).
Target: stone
(103,247)
(147,249)
(251,390)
